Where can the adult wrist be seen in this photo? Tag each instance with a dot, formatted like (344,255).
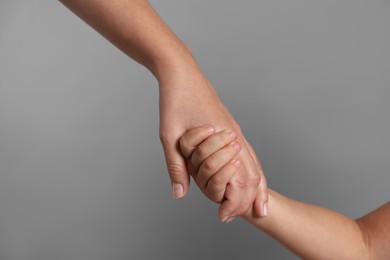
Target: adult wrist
(173,64)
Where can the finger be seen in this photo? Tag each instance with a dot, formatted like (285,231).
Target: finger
(233,196)
(191,139)
(180,179)
(245,185)
(217,184)
(260,206)
(215,162)
(210,146)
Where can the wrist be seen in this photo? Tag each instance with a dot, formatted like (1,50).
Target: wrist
(174,64)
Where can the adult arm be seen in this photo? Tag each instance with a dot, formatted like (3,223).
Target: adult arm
(187,99)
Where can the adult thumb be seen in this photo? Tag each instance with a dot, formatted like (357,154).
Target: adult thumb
(177,170)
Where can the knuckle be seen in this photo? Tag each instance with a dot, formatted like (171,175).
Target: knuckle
(201,151)
(200,132)
(183,144)
(225,137)
(232,149)
(215,185)
(176,171)
(170,135)
(240,181)
(165,137)
(208,165)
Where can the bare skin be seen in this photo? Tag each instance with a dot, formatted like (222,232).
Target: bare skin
(187,98)
(309,231)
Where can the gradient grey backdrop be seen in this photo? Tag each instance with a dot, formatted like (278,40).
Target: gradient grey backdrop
(82,173)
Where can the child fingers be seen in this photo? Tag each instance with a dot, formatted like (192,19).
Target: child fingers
(216,185)
(212,145)
(191,139)
(215,162)
(232,202)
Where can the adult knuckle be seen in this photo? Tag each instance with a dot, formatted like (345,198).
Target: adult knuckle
(165,137)
(240,181)
(176,170)
(163,134)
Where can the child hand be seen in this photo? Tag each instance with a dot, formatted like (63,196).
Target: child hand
(210,159)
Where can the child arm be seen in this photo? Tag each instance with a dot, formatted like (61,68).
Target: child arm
(309,231)
(313,232)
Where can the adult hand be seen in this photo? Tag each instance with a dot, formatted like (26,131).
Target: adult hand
(188,100)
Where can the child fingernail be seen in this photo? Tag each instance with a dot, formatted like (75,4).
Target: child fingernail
(236,162)
(236,146)
(230,219)
(178,190)
(226,217)
(210,129)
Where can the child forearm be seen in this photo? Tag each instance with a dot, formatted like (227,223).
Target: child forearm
(311,232)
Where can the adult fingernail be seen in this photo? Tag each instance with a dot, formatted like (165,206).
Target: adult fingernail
(265,209)
(178,190)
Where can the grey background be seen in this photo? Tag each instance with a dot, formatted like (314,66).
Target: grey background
(82,173)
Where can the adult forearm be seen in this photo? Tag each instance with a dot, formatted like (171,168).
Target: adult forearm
(136,29)
(311,232)
(187,98)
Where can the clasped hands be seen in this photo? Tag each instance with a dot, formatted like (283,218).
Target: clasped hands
(187,101)
(210,158)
